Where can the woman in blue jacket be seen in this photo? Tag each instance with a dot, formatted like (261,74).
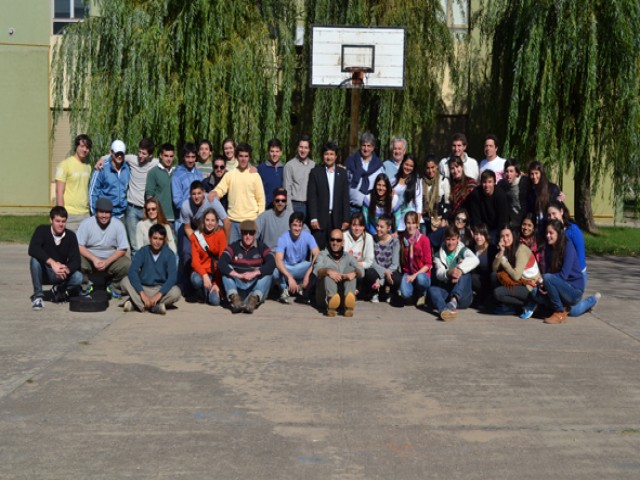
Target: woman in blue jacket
(563,283)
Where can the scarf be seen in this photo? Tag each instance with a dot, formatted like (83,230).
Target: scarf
(359,175)
(430,195)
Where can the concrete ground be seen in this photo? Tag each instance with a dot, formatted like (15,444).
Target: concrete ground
(287,394)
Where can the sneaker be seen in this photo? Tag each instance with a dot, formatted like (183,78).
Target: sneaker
(235,303)
(128,306)
(596,298)
(421,301)
(37,304)
(375,299)
(159,308)
(87,290)
(527,313)
(252,303)
(349,304)
(556,317)
(504,310)
(111,291)
(449,313)
(285,297)
(332,305)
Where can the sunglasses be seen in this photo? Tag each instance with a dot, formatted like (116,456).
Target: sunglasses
(461,219)
(248,232)
(151,209)
(280,200)
(336,240)
(219,167)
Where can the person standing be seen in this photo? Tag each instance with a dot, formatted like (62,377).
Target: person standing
(363,167)
(459,149)
(296,176)
(186,173)
(72,182)
(272,170)
(112,181)
(328,196)
(398,151)
(159,181)
(492,161)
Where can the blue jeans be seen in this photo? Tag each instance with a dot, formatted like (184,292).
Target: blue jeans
(131,218)
(559,293)
(440,293)
(297,271)
(585,304)
(300,207)
(418,287)
(42,274)
(258,286)
(234,232)
(212,297)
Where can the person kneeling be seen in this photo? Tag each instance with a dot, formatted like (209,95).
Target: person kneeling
(337,272)
(151,283)
(452,267)
(247,267)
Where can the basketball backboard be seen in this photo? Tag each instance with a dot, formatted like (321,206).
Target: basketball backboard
(338,52)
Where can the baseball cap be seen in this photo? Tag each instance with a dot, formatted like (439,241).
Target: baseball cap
(118,146)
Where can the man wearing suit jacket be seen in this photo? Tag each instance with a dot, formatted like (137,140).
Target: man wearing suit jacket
(328,196)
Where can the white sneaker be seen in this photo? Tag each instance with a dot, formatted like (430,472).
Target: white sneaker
(285,297)
(128,306)
(375,299)
(159,308)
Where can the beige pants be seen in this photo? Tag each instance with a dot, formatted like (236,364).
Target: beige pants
(171,297)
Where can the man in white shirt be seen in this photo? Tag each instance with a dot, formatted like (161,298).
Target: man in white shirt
(492,161)
(459,149)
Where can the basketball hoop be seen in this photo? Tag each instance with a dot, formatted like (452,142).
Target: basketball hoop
(357,79)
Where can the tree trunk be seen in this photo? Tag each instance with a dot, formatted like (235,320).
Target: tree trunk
(583,213)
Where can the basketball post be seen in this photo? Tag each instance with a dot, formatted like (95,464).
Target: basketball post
(357,83)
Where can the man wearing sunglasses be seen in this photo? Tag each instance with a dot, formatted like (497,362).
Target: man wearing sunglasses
(336,271)
(246,266)
(274,222)
(112,181)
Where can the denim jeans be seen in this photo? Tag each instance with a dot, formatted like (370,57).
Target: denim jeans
(131,218)
(559,293)
(211,297)
(297,271)
(42,274)
(300,207)
(234,232)
(585,304)
(258,286)
(418,287)
(440,293)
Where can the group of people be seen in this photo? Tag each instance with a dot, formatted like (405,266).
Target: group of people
(217,230)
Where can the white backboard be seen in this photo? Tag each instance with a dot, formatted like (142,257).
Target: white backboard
(336,50)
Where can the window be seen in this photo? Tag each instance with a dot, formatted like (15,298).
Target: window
(456,14)
(68,11)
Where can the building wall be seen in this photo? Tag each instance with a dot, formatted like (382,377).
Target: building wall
(24,105)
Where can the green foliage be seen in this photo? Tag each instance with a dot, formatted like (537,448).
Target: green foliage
(565,84)
(180,70)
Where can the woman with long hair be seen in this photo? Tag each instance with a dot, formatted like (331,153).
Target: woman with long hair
(557,210)
(517,273)
(461,185)
(416,261)
(381,200)
(563,284)
(386,250)
(486,251)
(435,196)
(153,214)
(359,244)
(529,237)
(408,187)
(229,153)
(207,244)
(541,192)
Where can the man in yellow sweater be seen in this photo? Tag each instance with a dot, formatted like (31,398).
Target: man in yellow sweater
(244,190)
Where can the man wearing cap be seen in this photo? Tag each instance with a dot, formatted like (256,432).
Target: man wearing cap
(336,271)
(139,166)
(72,182)
(247,268)
(151,283)
(112,181)
(272,223)
(103,246)
(55,260)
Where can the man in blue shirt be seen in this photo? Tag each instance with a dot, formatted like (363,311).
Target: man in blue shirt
(271,171)
(293,267)
(151,283)
(112,181)
(185,174)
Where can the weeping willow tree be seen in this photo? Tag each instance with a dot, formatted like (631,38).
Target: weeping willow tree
(565,75)
(178,71)
(429,50)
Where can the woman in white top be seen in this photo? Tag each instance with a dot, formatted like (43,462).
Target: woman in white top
(408,187)
(153,214)
(359,244)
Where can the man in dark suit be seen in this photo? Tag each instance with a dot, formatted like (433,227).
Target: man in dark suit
(328,196)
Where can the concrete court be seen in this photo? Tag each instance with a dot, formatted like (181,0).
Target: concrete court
(288,394)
